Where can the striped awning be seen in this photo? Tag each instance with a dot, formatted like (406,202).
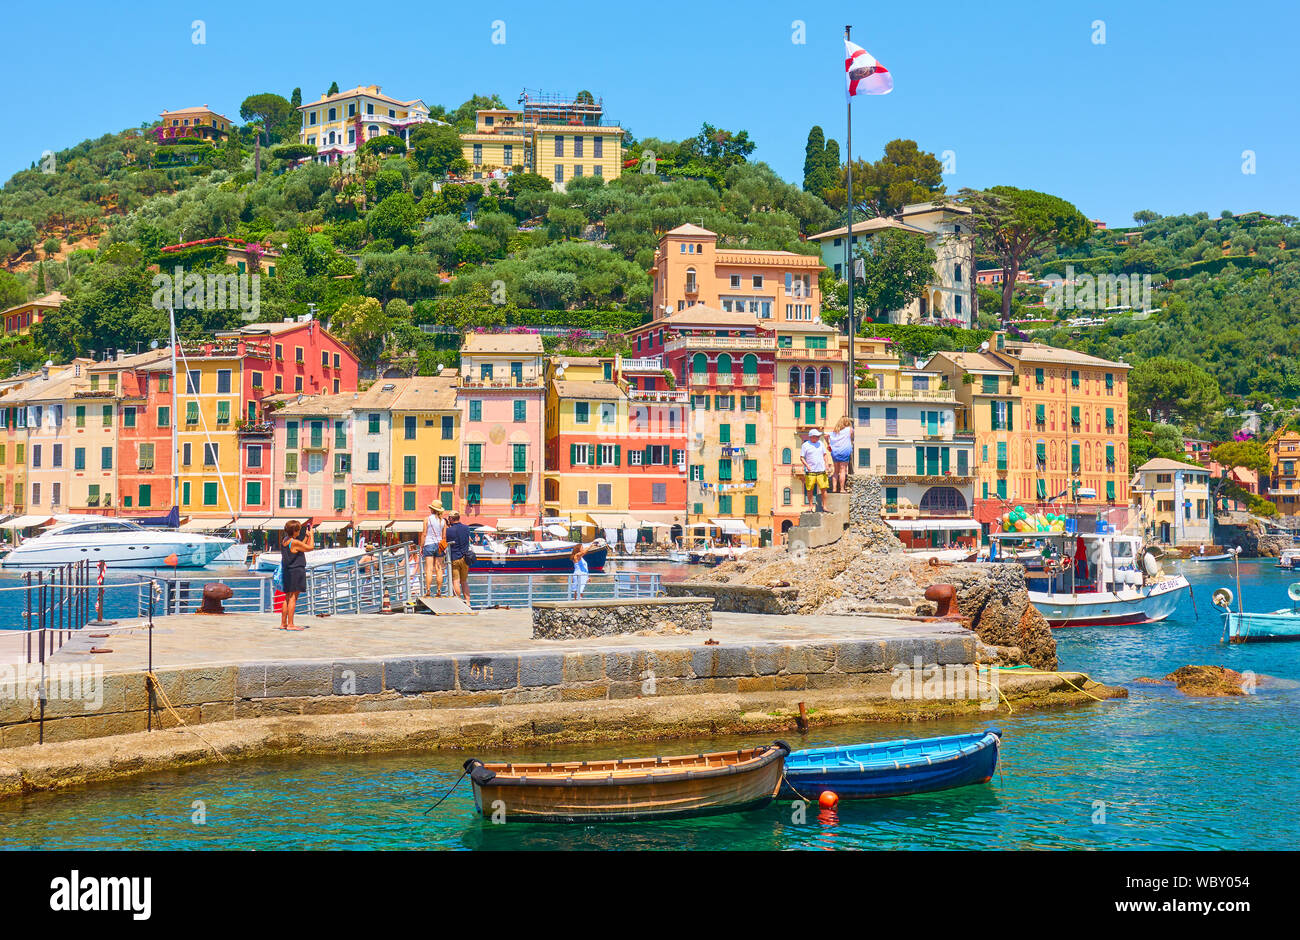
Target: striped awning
(373,525)
(407,525)
(332,525)
(613,520)
(207,525)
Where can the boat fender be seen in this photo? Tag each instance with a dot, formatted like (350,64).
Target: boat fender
(1150,565)
(1222,598)
(994,731)
(783,746)
(477,772)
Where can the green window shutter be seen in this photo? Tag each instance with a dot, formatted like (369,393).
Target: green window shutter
(599,457)
(1074,414)
(944,460)
(751,470)
(1074,456)
(340,434)
(1110,489)
(81,416)
(724,505)
(573,455)
(1040,413)
(1002,489)
(1074,378)
(1011,415)
(1038,376)
(1042,452)
(920,461)
(724,433)
(1042,488)
(724,469)
(986,489)
(1110,417)
(993,415)
(618,455)
(79,459)
(751,505)
(1110,454)
(751,434)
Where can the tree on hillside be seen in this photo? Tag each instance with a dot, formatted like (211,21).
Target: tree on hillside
(472,308)
(1143,216)
(1163,388)
(1240,455)
(363,324)
(905,174)
(295,99)
(333,89)
(384,144)
(436,149)
(892,269)
(721,147)
(1011,224)
(272,112)
(821,163)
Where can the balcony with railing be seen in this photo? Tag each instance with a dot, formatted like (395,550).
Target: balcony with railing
(642,364)
(820,355)
(532,382)
(657,395)
(931,476)
(720,342)
(905,394)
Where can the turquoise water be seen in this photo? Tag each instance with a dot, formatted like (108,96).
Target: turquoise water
(1169,773)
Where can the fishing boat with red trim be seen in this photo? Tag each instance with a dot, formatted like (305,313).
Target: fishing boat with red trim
(1090,579)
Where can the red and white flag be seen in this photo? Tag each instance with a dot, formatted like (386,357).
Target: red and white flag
(863,75)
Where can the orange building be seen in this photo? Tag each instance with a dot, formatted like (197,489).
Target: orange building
(19,319)
(143,394)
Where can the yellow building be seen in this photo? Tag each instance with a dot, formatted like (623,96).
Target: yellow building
(559,139)
(208,404)
(1174,503)
(194,122)
(337,124)
(1283,484)
(425,445)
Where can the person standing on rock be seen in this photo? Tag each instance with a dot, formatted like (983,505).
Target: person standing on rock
(813,456)
(840,442)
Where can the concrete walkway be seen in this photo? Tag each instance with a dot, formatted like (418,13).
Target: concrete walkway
(192,640)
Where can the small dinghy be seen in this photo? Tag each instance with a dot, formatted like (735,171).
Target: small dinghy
(892,768)
(630,790)
(1221,557)
(1244,627)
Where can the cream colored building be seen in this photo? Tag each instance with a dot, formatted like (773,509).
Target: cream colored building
(1173,501)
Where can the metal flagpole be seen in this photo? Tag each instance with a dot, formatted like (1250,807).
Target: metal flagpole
(175,413)
(848,243)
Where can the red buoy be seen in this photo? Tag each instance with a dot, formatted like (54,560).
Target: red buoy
(828,800)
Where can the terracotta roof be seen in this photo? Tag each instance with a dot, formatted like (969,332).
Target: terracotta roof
(370,91)
(133,361)
(707,316)
(427,393)
(488,343)
(870,225)
(1040,352)
(61,385)
(1164,463)
(200,108)
(602,391)
(52,299)
(380,395)
(972,361)
(320,405)
(689,229)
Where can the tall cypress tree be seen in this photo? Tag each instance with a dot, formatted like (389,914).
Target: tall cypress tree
(296,98)
(813,155)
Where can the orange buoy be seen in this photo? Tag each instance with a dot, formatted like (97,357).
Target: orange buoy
(171,560)
(828,800)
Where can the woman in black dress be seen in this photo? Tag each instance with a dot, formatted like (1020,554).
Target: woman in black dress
(293,569)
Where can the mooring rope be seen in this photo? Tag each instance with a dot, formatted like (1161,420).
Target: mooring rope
(448,793)
(167,704)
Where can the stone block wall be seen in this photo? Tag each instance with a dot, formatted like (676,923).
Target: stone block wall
(255,690)
(567,620)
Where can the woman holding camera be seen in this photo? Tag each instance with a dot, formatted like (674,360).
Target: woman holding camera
(293,568)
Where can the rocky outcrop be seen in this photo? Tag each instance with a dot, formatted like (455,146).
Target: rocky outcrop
(1208,681)
(867,572)
(1249,535)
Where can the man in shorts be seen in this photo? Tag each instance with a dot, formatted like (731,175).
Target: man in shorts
(813,456)
(457,536)
(433,550)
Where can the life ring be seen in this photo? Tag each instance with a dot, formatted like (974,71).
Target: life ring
(1222,598)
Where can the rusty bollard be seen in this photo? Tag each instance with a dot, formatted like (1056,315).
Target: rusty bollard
(214,592)
(944,597)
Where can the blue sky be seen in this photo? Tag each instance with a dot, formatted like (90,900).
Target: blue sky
(1158,116)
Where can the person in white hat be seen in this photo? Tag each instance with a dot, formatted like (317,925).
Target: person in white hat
(813,456)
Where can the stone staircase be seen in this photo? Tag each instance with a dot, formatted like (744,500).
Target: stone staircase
(816,529)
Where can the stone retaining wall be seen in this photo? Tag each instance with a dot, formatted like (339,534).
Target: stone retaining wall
(222,693)
(569,620)
(739,598)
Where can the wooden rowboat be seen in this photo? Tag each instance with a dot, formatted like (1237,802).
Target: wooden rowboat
(630,790)
(892,768)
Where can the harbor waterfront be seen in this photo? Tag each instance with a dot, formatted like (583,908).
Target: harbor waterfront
(1127,773)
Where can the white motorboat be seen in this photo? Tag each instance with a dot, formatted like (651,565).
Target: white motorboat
(949,555)
(119,543)
(1290,559)
(1091,579)
(270,561)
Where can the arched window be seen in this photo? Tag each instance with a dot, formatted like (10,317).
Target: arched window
(810,381)
(699,363)
(690,281)
(750,364)
(794,380)
(724,364)
(826,380)
(943,500)
(787,457)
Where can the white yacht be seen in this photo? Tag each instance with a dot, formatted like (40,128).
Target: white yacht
(119,543)
(1090,579)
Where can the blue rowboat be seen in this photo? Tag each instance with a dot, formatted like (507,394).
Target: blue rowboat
(1254,628)
(1243,627)
(892,768)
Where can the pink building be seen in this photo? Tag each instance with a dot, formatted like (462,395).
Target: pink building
(502,398)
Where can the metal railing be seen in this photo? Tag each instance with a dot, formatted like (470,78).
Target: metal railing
(182,593)
(491,589)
